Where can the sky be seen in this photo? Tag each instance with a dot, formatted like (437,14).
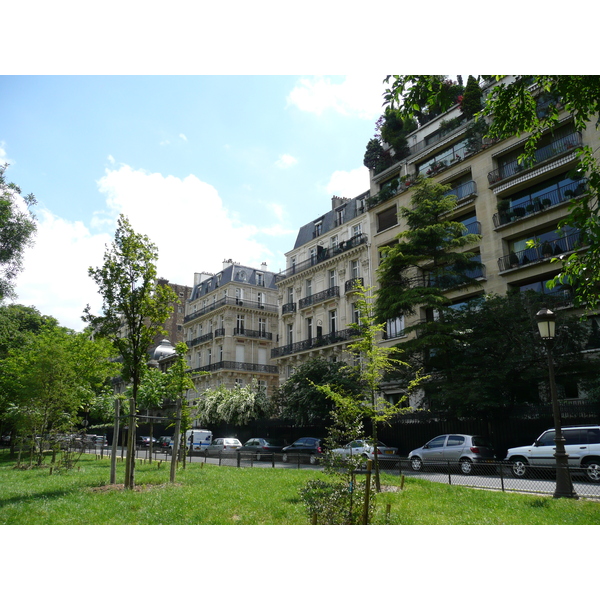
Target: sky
(208,167)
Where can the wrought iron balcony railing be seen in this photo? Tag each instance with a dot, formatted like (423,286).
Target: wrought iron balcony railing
(253,333)
(323,255)
(558,146)
(530,206)
(290,307)
(220,332)
(463,191)
(547,249)
(354,284)
(230,365)
(200,340)
(332,292)
(316,342)
(227,301)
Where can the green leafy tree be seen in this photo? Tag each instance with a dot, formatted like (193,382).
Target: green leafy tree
(17,228)
(300,401)
(19,325)
(513,109)
(488,358)
(373,362)
(429,257)
(471,101)
(134,307)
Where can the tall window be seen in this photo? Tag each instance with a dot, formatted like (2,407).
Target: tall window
(262,326)
(332,278)
(309,287)
(260,279)
(208,356)
(333,242)
(260,299)
(356,229)
(290,295)
(355,313)
(332,321)
(355,269)
(394,327)
(290,334)
(220,353)
(309,328)
(318,228)
(240,323)
(387,218)
(239,295)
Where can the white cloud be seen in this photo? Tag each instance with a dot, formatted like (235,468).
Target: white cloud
(3,157)
(348,184)
(111,159)
(286,161)
(358,96)
(184,218)
(183,137)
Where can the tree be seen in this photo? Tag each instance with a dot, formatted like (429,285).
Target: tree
(488,359)
(17,228)
(134,307)
(429,257)
(373,361)
(471,100)
(303,403)
(532,105)
(19,325)
(234,406)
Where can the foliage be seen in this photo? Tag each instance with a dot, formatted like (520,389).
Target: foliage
(17,228)
(302,402)
(235,406)
(336,502)
(487,357)
(428,258)
(376,157)
(470,104)
(19,325)
(134,306)
(532,105)
(394,129)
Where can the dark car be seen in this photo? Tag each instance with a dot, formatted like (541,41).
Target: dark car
(265,446)
(163,442)
(306,447)
(144,441)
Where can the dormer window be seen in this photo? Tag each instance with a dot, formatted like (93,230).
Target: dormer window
(318,228)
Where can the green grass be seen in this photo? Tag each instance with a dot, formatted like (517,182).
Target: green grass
(215,495)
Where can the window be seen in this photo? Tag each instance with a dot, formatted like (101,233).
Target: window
(208,356)
(333,242)
(290,295)
(318,228)
(332,278)
(437,442)
(309,287)
(313,256)
(394,327)
(354,269)
(262,326)
(290,334)
(455,440)
(339,218)
(260,279)
(239,295)
(260,300)
(356,229)
(309,328)
(220,353)
(355,313)
(387,218)
(332,321)
(240,323)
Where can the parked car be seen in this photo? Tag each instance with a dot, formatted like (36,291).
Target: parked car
(144,441)
(465,450)
(582,444)
(305,447)
(365,449)
(222,446)
(258,446)
(90,440)
(163,442)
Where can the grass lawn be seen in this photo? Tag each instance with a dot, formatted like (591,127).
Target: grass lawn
(212,495)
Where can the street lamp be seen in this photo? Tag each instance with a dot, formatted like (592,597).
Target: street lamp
(546,321)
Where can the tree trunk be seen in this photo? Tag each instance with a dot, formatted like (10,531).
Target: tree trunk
(115,443)
(176,436)
(130,462)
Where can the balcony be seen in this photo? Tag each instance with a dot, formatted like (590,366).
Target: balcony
(288,308)
(544,251)
(530,205)
(252,333)
(453,279)
(227,301)
(332,292)
(464,191)
(230,365)
(558,147)
(200,340)
(220,332)
(323,255)
(315,342)
(354,284)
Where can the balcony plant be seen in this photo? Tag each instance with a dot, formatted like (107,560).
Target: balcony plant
(546,202)
(519,212)
(546,249)
(513,259)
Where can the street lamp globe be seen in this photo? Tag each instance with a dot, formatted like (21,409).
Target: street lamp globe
(546,322)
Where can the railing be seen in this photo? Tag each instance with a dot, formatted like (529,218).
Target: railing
(332,292)
(220,332)
(325,254)
(200,340)
(227,301)
(452,279)
(547,249)
(354,284)
(316,342)
(253,333)
(559,146)
(290,307)
(237,366)
(463,191)
(531,206)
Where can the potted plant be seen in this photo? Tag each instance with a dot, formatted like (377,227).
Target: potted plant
(530,208)
(546,202)
(547,249)
(519,212)
(513,259)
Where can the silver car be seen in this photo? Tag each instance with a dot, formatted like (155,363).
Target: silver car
(464,450)
(222,446)
(365,449)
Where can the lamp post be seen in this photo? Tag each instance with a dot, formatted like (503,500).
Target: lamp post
(546,322)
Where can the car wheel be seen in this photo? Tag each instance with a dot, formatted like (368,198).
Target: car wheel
(416,464)
(466,466)
(592,469)
(519,467)
(313,459)
(284,457)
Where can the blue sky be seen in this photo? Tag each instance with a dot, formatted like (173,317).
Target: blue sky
(209,167)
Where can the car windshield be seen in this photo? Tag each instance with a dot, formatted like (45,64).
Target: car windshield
(479,441)
(270,442)
(230,441)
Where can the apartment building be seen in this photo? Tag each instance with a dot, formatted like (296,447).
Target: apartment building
(316,291)
(230,326)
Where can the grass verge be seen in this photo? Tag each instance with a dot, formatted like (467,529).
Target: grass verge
(212,495)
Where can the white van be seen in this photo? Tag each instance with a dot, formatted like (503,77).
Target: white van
(199,439)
